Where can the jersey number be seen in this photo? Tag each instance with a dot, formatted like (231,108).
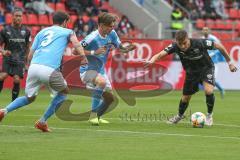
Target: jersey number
(48,38)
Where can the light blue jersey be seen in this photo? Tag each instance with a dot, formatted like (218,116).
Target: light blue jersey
(94,41)
(215,55)
(49,45)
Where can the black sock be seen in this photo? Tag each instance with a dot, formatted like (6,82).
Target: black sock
(210,99)
(182,108)
(15,91)
(1,86)
(108,99)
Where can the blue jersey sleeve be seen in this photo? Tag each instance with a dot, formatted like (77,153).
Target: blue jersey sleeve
(88,40)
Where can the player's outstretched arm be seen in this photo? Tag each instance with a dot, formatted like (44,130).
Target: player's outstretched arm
(99,51)
(126,49)
(30,55)
(78,48)
(155,58)
(224,52)
(27,52)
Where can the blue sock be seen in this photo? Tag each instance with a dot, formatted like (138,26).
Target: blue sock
(200,86)
(54,105)
(96,99)
(17,103)
(219,87)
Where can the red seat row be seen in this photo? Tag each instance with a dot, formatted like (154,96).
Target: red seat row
(226,35)
(218,24)
(31,19)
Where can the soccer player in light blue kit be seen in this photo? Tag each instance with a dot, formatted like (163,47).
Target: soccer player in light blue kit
(215,55)
(46,56)
(97,46)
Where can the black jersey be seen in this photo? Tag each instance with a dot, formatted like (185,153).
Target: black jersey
(196,58)
(15,40)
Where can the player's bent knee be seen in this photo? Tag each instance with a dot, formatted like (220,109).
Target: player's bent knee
(108,96)
(3,76)
(186,98)
(31,99)
(65,91)
(101,82)
(209,92)
(16,79)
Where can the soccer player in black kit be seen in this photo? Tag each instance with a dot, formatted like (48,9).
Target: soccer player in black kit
(199,69)
(16,40)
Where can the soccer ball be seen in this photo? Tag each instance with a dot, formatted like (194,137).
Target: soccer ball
(198,120)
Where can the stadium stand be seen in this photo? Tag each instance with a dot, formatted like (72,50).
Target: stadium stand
(222,17)
(36,21)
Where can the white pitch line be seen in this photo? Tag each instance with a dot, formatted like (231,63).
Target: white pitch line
(132,132)
(158,121)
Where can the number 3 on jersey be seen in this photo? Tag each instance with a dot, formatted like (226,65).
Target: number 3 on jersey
(48,38)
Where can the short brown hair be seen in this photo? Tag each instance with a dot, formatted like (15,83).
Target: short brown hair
(106,18)
(181,35)
(59,17)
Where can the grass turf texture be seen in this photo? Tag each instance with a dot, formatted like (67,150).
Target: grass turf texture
(135,133)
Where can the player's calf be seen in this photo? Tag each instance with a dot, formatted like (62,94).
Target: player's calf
(15,90)
(107,101)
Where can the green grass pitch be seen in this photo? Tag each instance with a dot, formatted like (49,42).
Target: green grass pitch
(135,133)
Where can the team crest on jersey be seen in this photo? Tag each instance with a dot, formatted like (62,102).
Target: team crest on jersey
(196,50)
(209,76)
(23,32)
(209,43)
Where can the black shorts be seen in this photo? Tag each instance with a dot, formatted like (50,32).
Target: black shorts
(193,79)
(13,68)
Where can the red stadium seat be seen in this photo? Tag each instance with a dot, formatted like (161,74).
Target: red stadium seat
(24,19)
(19,4)
(228,24)
(32,19)
(225,36)
(216,33)
(35,30)
(85,18)
(60,7)
(50,19)
(237,25)
(220,24)
(97,2)
(51,5)
(233,13)
(73,19)
(43,19)
(200,23)
(8,18)
(210,23)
